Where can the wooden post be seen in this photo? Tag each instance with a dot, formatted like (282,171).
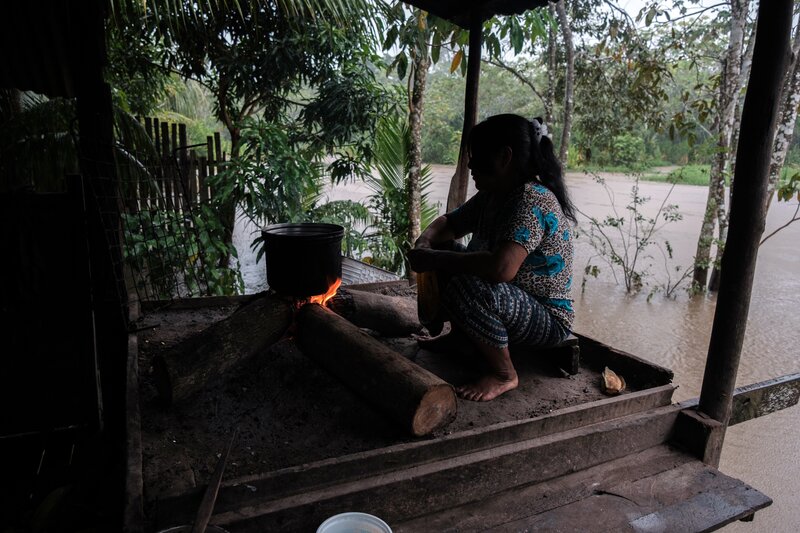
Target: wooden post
(202,182)
(748,208)
(458,185)
(166,168)
(183,157)
(192,173)
(218,158)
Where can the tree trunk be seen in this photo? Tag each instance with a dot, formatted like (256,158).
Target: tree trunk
(702,255)
(729,104)
(417,99)
(726,106)
(418,400)
(552,69)
(391,316)
(188,367)
(744,75)
(790,101)
(569,89)
(227,210)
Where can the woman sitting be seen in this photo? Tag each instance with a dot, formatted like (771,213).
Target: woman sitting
(512,284)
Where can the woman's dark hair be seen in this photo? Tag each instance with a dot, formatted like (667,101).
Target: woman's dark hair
(535,160)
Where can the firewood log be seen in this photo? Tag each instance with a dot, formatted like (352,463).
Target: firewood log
(187,367)
(418,400)
(392,316)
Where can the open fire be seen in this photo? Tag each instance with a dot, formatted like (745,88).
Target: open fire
(322,299)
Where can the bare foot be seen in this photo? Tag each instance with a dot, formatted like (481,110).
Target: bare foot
(448,343)
(488,387)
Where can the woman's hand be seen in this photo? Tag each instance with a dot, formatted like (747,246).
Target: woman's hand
(422,259)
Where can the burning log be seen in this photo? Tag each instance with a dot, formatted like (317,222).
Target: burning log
(417,399)
(392,316)
(186,368)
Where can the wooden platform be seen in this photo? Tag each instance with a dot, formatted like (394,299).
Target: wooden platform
(598,464)
(659,489)
(614,475)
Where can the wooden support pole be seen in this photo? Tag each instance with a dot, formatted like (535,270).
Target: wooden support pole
(458,185)
(748,207)
(417,399)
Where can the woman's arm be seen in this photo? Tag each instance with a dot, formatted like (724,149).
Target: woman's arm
(438,232)
(498,266)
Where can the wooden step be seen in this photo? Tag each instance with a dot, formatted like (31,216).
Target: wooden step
(411,490)
(303,478)
(659,489)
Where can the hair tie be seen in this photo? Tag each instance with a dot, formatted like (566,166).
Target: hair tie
(539,128)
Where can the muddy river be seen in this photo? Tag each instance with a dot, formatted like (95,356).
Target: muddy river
(674,332)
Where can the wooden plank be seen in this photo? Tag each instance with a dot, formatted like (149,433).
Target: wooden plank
(166,167)
(183,158)
(192,173)
(157,136)
(133,510)
(634,369)
(699,434)
(519,504)
(467,477)
(210,153)
(690,498)
(763,398)
(202,181)
(369,287)
(760,399)
(302,478)
(200,302)
(218,157)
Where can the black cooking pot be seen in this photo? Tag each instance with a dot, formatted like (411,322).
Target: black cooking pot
(303,259)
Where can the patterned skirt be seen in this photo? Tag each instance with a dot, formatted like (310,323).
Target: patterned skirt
(499,314)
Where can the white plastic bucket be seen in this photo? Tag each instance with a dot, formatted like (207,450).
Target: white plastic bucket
(354,523)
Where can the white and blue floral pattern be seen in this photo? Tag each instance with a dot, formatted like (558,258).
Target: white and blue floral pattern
(533,218)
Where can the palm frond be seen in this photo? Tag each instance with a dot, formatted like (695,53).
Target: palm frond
(171,16)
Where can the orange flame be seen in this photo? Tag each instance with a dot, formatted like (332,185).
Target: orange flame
(322,299)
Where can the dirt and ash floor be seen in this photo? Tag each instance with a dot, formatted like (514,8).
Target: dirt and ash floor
(289,411)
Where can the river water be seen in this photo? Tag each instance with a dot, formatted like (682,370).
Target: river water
(674,332)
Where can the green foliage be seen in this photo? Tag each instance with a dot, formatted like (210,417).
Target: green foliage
(38,142)
(625,241)
(271,179)
(789,188)
(136,72)
(278,179)
(440,141)
(353,217)
(627,150)
(178,253)
(389,202)
(691,175)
